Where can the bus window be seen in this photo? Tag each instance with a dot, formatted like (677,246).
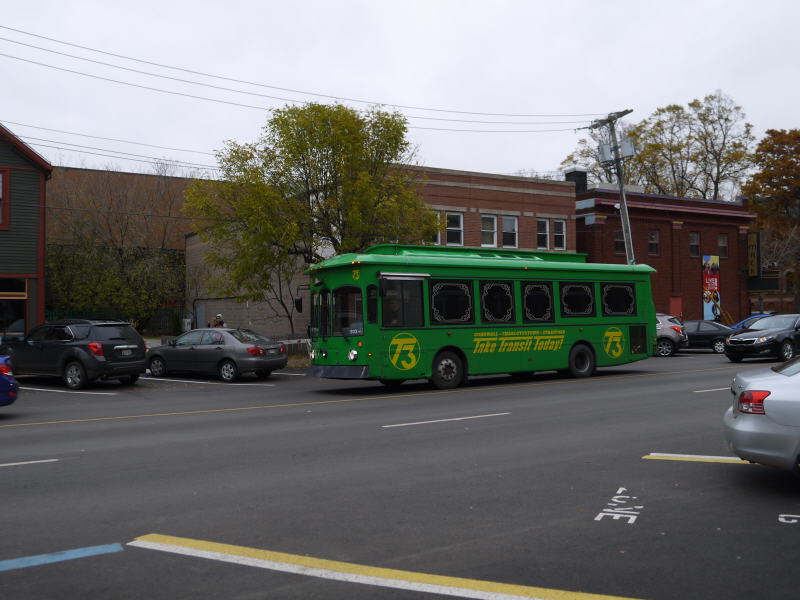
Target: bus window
(497,302)
(451,302)
(577,299)
(324,313)
(402,303)
(537,301)
(372,304)
(347,316)
(619,299)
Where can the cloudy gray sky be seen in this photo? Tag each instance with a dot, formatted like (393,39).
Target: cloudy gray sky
(543,66)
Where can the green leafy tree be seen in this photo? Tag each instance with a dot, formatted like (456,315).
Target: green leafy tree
(701,150)
(773,193)
(321,179)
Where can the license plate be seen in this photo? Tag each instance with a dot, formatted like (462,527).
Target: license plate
(127,352)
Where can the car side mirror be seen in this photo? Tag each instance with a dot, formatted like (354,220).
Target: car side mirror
(172,343)
(298,304)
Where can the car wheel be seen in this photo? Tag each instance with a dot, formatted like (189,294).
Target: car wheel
(75,376)
(263,374)
(447,371)
(228,371)
(786,351)
(158,368)
(718,346)
(734,358)
(129,380)
(581,361)
(665,347)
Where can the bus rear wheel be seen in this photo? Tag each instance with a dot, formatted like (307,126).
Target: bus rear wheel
(581,361)
(448,371)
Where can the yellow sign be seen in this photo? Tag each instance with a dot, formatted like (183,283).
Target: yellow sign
(356,274)
(521,341)
(614,342)
(404,351)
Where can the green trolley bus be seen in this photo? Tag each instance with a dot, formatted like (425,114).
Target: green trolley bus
(398,312)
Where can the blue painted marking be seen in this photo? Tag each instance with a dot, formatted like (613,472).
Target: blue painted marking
(44,559)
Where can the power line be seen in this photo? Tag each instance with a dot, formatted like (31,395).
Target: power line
(108,139)
(283,89)
(227,89)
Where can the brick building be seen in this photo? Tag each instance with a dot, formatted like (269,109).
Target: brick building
(672,235)
(478,209)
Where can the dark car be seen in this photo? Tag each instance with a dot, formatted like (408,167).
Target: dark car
(9,388)
(80,351)
(223,351)
(774,336)
(707,334)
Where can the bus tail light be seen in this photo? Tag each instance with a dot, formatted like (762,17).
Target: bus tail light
(751,402)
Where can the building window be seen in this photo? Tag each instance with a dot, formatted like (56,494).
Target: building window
(542,234)
(4,212)
(653,242)
(619,242)
(488,231)
(510,232)
(559,234)
(455,229)
(694,243)
(723,245)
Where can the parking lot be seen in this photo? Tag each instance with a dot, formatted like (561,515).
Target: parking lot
(619,486)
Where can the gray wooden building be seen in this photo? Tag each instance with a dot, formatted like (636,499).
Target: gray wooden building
(23,177)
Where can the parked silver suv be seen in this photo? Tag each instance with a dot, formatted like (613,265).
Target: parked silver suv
(670,335)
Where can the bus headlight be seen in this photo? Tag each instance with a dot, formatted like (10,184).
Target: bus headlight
(312,354)
(352,355)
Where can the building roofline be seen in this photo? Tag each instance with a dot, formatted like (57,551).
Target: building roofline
(591,190)
(488,175)
(25,150)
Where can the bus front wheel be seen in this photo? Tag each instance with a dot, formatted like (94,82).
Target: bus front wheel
(581,361)
(448,371)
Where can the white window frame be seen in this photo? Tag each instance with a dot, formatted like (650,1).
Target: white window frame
(515,231)
(493,231)
(556,234)
(720,238)
(546,233)
(448,229)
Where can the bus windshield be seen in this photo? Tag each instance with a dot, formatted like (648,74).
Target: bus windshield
(347,312)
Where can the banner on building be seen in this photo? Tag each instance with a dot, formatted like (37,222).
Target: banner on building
(711,293)
(753,259)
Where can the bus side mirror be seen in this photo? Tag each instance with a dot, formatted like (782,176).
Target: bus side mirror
(298,304)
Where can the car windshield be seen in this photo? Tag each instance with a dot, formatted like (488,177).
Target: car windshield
(776,322)
(789,368)
(248,337)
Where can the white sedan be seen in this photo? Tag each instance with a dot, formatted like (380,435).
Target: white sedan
(763,425)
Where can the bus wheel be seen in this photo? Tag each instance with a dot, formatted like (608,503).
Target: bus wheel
(447,371)
(392,383)
(581,361)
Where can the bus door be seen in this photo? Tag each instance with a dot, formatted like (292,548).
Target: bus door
(402,322)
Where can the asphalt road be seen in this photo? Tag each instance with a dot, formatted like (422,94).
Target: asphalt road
(303,488)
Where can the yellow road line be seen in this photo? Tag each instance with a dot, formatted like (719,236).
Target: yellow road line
(696,458)
(355,573)
(461,390)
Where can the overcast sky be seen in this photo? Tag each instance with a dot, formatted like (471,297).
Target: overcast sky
(565,61)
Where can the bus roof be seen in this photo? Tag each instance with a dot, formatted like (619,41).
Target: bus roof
(400,255)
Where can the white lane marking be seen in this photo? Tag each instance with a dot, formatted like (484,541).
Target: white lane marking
(206,382)
(713,390)
(30,462)
(445,420)
(32,389)
(694,457)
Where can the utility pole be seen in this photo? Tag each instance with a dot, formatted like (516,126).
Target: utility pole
(610,120)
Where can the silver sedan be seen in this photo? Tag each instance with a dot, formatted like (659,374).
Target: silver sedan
(223,351)
(763,425)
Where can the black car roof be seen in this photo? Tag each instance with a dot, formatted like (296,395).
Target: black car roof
(86,322)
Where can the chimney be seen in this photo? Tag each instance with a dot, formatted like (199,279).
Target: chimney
(577,175)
